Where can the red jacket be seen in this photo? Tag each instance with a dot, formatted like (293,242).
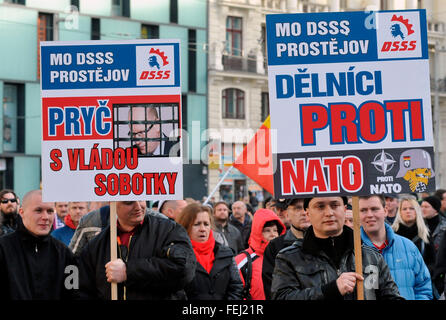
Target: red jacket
(257,245)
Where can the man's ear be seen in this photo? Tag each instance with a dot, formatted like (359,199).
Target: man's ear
(21,212)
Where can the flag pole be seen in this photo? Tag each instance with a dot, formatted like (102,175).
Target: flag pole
(218,184)
(113,246)
(357,246)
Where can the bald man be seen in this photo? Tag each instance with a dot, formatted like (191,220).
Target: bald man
(143,127)
(241,220)
(172,208)
(32,263)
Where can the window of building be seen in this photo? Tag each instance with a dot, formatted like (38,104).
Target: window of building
(233,104)
(234,36)
(13,118)
(121,8)
(75,3)
(150,31)
(45,32)
(174,11)
(45,26)
(263,46)
(184,118)
(265,106)
(16,1)
(7,173)
(95,29)
(192,60)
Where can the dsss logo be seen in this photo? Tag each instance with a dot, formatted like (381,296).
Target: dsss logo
(400,30)
(156,61)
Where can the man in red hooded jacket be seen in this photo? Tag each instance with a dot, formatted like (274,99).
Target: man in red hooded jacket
(266,225)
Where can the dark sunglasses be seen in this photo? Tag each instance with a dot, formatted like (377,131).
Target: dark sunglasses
(9,200)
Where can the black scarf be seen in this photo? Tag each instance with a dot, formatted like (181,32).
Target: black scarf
(408,232)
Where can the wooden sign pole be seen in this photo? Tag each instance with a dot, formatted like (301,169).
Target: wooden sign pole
(357,244)
(113,245)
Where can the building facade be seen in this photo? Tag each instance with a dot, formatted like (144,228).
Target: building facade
(238,84)
(24,23)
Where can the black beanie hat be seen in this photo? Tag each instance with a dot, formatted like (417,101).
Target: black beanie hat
(434,202)
(307,201)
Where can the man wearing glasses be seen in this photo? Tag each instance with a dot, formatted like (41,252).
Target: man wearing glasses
(8,211)
(145,132)
(299,223)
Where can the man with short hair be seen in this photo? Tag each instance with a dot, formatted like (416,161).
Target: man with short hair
(172,208)
(61,213)
(32,263)
(299,223)
(76,210)
(155,258)
(241,220)
(8,211)
(404,259)
(94,222)
(322,266)
(392,202)
(231,236)
(280,208)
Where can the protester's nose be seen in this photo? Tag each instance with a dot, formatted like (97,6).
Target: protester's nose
(328,211)
(45,215)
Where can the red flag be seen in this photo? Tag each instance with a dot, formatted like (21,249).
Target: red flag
(256,160)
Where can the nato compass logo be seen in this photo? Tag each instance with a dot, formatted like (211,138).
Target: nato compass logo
(401,28)
(156,57)
(383,162)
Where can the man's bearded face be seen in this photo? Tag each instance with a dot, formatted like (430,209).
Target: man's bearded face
(9,207)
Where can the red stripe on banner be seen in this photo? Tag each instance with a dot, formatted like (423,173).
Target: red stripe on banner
(89,118)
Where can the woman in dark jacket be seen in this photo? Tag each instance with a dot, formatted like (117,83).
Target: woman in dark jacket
(409,223)
(216,275)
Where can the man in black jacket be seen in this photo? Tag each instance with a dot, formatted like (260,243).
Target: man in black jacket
(227,234)
(299,222)
(321,267)
(155,258)
(33,264)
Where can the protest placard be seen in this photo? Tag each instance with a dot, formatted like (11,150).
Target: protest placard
(350,103)
(111,120)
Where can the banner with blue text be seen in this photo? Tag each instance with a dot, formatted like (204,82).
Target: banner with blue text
(111,120)
(350,103)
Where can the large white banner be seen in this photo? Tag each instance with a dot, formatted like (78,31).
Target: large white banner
(111,120)
(350,102)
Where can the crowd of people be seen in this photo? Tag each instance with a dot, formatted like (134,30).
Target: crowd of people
(277,249)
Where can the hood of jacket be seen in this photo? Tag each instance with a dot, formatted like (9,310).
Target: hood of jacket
(256,240)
